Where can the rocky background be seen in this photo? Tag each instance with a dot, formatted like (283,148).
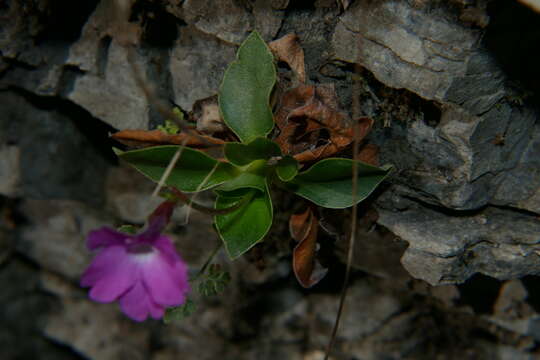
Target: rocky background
(448,271)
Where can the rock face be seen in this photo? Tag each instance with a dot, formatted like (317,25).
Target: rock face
(462,205)
(37,163)
(499,243)
(197,64)
(104,82)
(55,238)
(478,152)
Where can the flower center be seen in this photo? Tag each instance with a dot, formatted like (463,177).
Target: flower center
(141,249)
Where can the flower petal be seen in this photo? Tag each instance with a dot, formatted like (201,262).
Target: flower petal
(102,264)
(137,304)
(105,237)
(166,284)
(111,274)
(179,271)
(166,248)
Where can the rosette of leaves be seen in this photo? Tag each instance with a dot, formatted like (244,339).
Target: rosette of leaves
(254,163)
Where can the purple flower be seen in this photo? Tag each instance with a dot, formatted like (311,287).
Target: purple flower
(143,271)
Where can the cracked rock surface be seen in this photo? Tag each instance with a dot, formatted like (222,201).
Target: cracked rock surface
(475,154)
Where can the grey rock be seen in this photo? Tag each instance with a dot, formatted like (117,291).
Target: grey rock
(228,20)
(446,249)
(231,21)
(128,195)
(377,253)
(6,245)
(509,353)
(55,238)
(183,339)
(23,311)
(314,29)
(408,47)
(482,151)
(197,64)
(10,171)
(98,331)
(37,69)
(355,324)
(36,61)
(519,186)
(114,96)
(54,159)
(464,155)
(16,35)
(458,164)
(105,83)
(46,79)
(268,18)
(512,312)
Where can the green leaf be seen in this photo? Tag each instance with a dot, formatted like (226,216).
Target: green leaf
(243,154)
(245,91)
(128,229)
(169,128)
(243,228)
(190,171)
(245,180)
(287,168)
(179,312)
(328,183)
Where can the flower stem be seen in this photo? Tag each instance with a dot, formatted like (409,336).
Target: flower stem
(208,261)
(201,185)
(169,169)
(352,238)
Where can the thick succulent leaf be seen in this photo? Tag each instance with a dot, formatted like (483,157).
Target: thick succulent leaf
(243,154)
(190,171)
(328,183)
(245,91)
(243,228)
(287,168)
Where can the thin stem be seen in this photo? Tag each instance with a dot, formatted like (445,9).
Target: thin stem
(352,238)
(201,185)
(168,170)
(208,261)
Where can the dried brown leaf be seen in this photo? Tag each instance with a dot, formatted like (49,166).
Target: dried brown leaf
(307,110)
(144,138)
(304,228)
(300,224)
(288,49)
(369,154)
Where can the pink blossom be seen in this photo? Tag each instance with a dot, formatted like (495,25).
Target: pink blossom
(143,271)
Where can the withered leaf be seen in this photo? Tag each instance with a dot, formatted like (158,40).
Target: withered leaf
(300,224)
(311,127)
(369,154)
(288,49)
(304,229)
(144,138)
